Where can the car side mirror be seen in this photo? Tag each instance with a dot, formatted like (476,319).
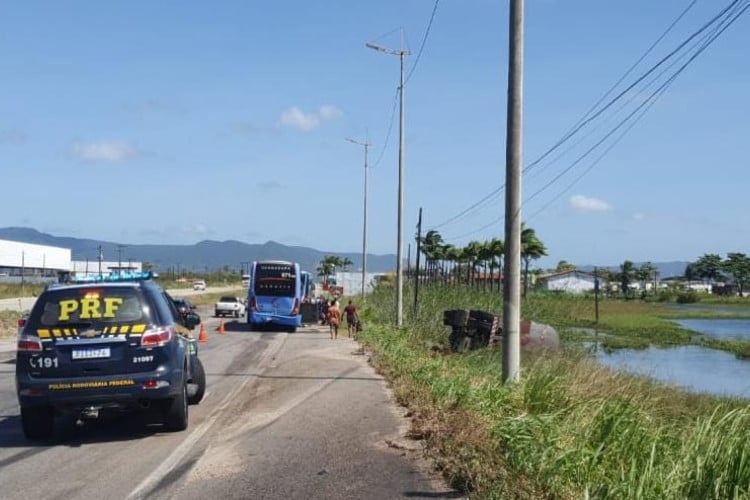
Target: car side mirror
(191,320)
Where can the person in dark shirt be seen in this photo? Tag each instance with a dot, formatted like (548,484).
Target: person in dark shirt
(350,311)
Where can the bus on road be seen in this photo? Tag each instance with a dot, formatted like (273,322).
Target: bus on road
(274,295)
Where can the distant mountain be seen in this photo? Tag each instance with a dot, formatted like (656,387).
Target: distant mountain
(211,255)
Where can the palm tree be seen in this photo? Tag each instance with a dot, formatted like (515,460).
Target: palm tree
(497,248)
(644,273)
(738,266)
(709,267)
(453,256)
(471,254)
(532,248)
(345,263)
(431,243)
(627,272)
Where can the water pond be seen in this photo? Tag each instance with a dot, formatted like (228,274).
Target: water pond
(728,329)
(694,368)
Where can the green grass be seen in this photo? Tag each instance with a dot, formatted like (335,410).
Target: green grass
(570,428)
(12,290)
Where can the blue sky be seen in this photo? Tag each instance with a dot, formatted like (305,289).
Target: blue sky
(179,121)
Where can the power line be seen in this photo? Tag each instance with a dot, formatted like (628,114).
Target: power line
(424,41)
(388,134)
(411,71)
(587,118)
(735,9)
(594,116)
(728,21)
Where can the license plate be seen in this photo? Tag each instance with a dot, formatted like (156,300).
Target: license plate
(102,352)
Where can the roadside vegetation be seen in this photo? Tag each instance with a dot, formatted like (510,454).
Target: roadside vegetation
(13,290)
(570,428)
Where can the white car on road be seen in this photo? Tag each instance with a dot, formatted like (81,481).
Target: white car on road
(229,306)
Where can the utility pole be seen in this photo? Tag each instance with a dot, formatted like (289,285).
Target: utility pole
(419,248)
(23,268)
(366,145)
(400,238)
(596,293)
(101,256)
(119,258)
(408,260)
(513,148)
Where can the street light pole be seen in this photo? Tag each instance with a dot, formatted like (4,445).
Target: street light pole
(400,238)
(366,145)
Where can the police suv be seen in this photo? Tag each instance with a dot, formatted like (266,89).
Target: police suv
(106,345)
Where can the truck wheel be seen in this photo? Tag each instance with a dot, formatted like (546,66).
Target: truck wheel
(38,422)
(197,384)
(176,411)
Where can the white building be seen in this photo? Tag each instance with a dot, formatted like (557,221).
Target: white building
(351,281)
(28,259)
(573,281)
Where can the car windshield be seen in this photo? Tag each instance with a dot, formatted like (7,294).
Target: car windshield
(70,307)
(228,299)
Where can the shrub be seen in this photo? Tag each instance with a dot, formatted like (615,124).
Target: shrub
(689,297)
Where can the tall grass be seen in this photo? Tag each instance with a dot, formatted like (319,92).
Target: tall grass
(569,429)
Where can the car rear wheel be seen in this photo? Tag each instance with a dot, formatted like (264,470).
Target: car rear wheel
(197,384)
(38,422)
(176,411)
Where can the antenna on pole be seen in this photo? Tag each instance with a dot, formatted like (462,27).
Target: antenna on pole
(366,145)
(401,166)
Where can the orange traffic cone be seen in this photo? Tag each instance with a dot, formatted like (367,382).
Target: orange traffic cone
(221,327)
(203,335)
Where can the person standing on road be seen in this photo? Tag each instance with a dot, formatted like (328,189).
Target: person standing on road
(350,311)
(334,319)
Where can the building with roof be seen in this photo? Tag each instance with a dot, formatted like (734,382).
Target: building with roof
(572,281)
(30,262)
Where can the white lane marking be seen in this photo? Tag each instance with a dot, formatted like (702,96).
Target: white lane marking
(179,453)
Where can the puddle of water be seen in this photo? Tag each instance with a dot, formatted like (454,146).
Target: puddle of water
(732,329)
(739,309)
(694,368)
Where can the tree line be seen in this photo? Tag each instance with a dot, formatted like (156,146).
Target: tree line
(457,264)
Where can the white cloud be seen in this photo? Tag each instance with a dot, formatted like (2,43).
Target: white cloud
(296,118)
(196,229)
(586,204)
(639,216)
(104,151)
(328,112)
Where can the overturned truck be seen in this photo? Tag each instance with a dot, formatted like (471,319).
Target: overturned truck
(474,329)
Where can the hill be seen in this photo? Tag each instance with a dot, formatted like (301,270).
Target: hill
(205,255)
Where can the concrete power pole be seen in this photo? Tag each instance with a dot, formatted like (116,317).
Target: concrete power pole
(512,281)
(366,145)
(400,243)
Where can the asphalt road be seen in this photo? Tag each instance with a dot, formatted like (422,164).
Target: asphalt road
(285,416)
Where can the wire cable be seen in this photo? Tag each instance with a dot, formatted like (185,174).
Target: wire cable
(424,41)
(388,134)
(723,26)
(737,10)
(587,118)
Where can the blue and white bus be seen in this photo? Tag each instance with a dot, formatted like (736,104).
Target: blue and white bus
(274,295)
(306,284)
